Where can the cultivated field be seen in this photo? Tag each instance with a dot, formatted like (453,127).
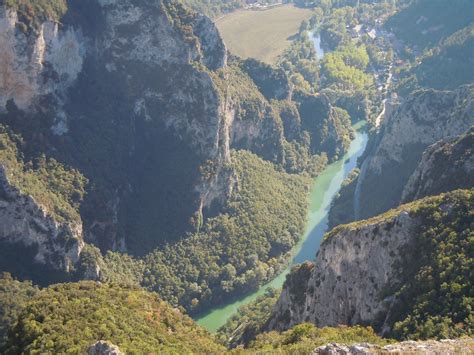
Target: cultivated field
(261,34)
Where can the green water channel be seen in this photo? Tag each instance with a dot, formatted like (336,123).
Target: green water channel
(325,187)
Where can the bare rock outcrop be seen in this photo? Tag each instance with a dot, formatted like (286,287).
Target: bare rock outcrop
(103,347)
(429,347)
(446,165)
(24,221)
(343,285)
(425,118)
(363,269)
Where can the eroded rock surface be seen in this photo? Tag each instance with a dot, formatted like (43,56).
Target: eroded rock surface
(22,220)
(423,119)
(429,347)
(103,347)
(446,165)
(343,286)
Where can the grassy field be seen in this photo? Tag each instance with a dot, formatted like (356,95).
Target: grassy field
(261,34)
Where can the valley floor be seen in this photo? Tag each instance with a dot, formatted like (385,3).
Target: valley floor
(263,35)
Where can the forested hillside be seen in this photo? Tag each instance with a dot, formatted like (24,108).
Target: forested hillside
(72,317)
(406,272)
(147,173)
(133,159)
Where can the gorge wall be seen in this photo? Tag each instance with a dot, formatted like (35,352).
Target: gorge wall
(424,118)
(143,101)
(363,268)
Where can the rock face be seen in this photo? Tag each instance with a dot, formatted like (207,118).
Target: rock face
(431,347)
(423,119)
(141,75)
(343,286)
(30,66)
(104,348)
(22,220)
(139,97)
(446,165)
(371,272)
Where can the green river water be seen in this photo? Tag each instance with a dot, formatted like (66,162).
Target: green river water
(324,189)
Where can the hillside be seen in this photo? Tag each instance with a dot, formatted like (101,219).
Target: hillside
(149,145)
(444,67)
(297,178)
(132,319)
(425,22)
(424,118)
(445,166)
(405,272)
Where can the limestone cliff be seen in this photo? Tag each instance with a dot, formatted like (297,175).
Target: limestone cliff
(128,72)
(110,89)
(342,287)
(443,346)
(35,65)
(446,165)
(423,119)
(24,221)
(143,99)
(361,267)
(40,227)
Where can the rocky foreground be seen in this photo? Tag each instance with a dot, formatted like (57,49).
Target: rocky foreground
(444,347)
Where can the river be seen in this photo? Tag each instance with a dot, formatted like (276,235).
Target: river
(316,39)
(324,189)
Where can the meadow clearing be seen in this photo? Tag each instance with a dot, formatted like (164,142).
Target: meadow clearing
(261,34)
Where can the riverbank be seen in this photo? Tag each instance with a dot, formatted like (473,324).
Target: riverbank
(325,187)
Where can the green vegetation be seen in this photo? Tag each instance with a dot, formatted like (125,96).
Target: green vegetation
(137,321)
(214,8)
(272,82)
(344,69)
(342,207)
(123,269)
(303,338)
(444,67)
(249,239)
(58,189)
(425,22)
(263,35)
(301,65)
(31,13)
(436,292)
(334,29)
(13,297)
(346,74)
(298,159)
(329,127)
(71,317)
(236,85)
(249,320)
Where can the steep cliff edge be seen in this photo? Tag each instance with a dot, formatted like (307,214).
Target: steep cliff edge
(107,90)
(38,211)
(123,91)
(424,118)
(144,101)
(381,272)
(444,166)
